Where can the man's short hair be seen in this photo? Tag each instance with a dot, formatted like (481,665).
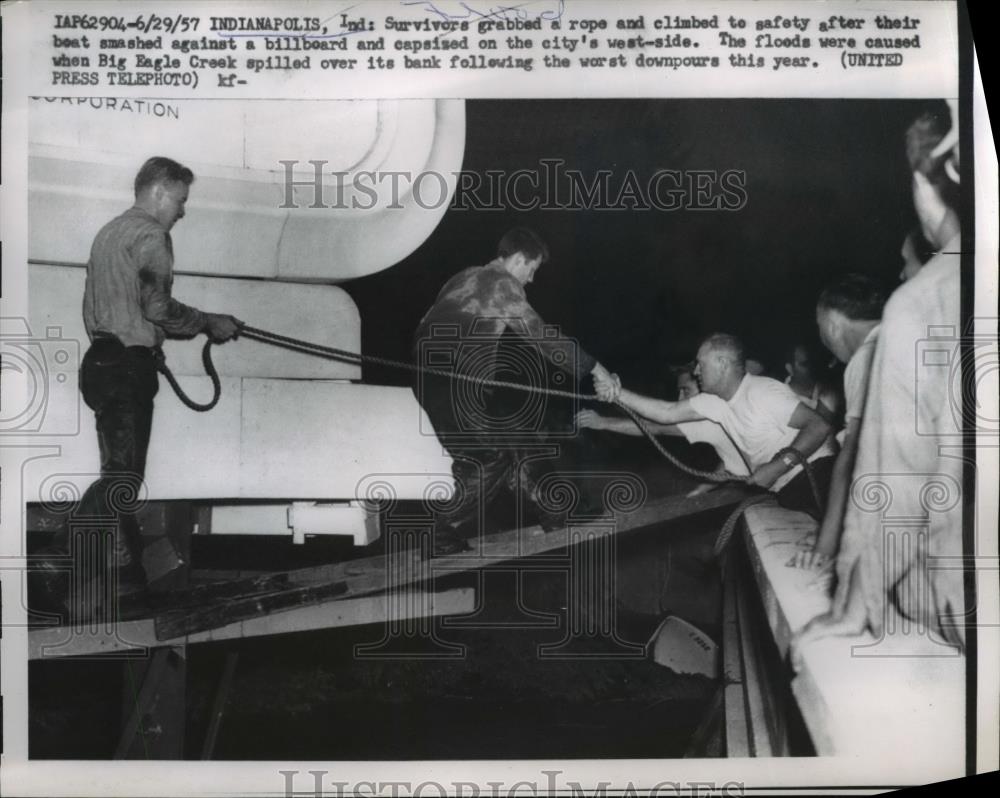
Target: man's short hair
(161,170)
(857,296)
(922,137)
(728,345)
(525,241)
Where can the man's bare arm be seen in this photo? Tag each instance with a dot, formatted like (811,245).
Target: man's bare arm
(813,429)
(828,537)
(659,410)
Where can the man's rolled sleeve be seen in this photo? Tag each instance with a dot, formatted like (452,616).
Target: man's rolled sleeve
(780,402)
(709,405)
(155,281)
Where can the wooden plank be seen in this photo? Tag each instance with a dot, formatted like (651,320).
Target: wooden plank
(143,700)
(369,575)
(705,740)
(219,704)
(754,680)
(187,620)
(140,634)
(737,731)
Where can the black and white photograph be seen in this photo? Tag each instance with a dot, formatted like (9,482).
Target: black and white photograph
(625,438)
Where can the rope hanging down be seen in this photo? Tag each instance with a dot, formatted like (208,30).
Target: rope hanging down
(333,353)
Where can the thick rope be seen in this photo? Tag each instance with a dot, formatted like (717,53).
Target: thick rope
(206,360)
(332,352)
(726,533)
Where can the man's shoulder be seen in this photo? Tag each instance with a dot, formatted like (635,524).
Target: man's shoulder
(862,357)
(932,285)
(132,225)
(760,386)
(708,405)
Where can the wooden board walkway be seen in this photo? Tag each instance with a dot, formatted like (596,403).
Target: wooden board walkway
(352,592)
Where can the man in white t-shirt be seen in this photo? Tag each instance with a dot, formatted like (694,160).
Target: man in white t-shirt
(848,314)
(694,431)
(762,416)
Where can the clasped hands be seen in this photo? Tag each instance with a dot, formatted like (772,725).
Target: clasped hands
(608,386)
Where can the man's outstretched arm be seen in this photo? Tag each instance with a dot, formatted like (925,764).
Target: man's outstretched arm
(609,389)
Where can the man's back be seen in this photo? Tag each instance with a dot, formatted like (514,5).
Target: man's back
(480,299)
(483,301)
(112,295)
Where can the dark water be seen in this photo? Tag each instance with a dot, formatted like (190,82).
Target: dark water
(309,697)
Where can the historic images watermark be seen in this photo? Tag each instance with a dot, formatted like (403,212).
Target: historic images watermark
(322,783)
(550,186)
(43,363)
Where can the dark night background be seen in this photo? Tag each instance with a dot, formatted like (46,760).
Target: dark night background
(828,191)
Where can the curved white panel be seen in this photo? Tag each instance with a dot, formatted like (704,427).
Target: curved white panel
(266,439)
(322,314)
(84,153)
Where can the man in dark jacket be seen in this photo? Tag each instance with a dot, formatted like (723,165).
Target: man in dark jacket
(470,315)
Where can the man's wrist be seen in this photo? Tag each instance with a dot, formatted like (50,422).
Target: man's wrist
(786,460)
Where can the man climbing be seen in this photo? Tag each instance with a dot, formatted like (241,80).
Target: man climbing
(469,316)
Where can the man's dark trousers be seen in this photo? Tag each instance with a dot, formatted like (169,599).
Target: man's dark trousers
(118,383)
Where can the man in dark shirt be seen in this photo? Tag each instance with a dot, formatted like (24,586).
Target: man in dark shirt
(128,311)
(469,316)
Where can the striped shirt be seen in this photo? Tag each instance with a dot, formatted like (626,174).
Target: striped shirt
(129,279)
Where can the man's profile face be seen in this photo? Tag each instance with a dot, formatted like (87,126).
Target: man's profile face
(710,369)
(170,199)
(530,267)
(911,263)
(522,268)
(930,209)
(800,368)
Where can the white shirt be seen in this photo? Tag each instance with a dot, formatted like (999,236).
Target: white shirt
(856,374)
(756,418)
(910,453)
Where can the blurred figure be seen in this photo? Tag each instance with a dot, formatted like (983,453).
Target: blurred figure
(848,314)
(911,415)
(804,376)
(475,308)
